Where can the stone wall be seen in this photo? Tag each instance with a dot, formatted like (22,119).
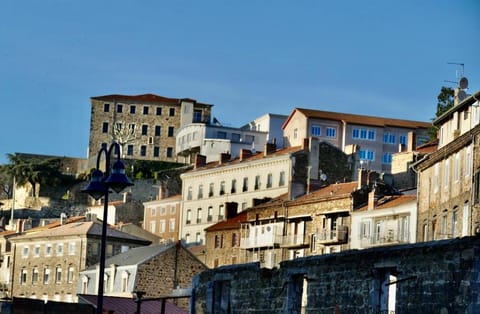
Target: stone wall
(430,277)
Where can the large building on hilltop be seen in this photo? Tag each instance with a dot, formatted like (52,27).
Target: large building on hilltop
(144,125)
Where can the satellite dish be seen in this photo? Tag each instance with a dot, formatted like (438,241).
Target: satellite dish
(463,84)
(461,95)
(323,177)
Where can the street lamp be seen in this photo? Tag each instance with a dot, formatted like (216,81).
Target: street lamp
(100,185)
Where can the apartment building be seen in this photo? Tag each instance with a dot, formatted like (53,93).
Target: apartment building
(144,125)
(449,178)
(374,139)
(162,217)
(47,260)
(211,191)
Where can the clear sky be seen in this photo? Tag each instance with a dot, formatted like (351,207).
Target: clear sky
(247,58)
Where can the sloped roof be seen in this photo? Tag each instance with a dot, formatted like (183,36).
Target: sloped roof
(330,191)
(390,202)
(128,305)
(253,157)
(232,223)
(144,98)
(77,228)
(427,148)
(357,119)
(137,255)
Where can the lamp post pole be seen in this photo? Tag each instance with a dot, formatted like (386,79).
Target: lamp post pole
(99,186)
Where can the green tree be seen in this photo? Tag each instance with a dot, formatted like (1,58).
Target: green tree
(445,101)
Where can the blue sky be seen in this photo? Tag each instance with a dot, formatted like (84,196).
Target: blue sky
(384,58)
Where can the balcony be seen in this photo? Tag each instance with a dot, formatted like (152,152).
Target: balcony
(294,240)
(327,236)
(387,237)
(269,235)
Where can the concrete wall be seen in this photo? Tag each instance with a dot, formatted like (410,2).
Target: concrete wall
(430,277)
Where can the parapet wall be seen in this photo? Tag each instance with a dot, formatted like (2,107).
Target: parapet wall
(429,277)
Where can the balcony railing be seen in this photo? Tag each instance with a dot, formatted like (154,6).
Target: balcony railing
(340,235)
(293,240)
(384,238)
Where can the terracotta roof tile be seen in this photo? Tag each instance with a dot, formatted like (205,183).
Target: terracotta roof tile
(332,190)
(358,119)
(232,223)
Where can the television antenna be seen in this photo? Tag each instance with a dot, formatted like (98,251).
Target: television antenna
(459,64)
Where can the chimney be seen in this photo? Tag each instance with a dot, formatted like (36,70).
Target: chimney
(372,200)
(362,177)
(411,141)
(127,197)
(269,148)
(200,161)
(224,157)
(245,153)
(306,144)
(162,191)
(63,218)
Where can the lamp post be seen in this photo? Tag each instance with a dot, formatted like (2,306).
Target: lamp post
(100,185)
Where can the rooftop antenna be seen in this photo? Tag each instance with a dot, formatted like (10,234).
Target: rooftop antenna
(463,68)
(460,93)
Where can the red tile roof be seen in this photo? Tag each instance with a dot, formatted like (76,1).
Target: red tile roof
(144,98)
(232,223)
(427,148)
(357,119)
(330,191)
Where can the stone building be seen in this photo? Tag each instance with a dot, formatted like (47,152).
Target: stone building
(47,260)
(374,139)
(144,125)
(211,191)
(432,277)
(449,178)
(127,210)
(157,270)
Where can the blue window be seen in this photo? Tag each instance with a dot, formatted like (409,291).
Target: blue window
(316,130)
(403,139)
(331,132)
(387,158)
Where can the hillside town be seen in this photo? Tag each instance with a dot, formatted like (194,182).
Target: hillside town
(311,212)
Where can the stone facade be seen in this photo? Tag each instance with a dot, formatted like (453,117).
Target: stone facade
(433,277)
(144,125)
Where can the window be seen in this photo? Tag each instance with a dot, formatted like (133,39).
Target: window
(436,173)
(210,214)
(245,184)
(200,191)
(403,139)
(447,174)
(199,215)
(133,109)
(158,129)
(119,108)
(331,132)
(105,127)
(152,226)
(60,249)
(143,150)
(172,209)
(106,107)
(222,187)
(221,212)
(465,219)
(159,111)
(189,216)
(316,130)
(356,133)
(156,151)
(468,161)
(366,155)
(170,131)
(197,116)
(249,138)
(234,186)
(161,227)
(58,274)
(35,276)
(71,248)
(46,276)
(444,226)
(455,222)
(257,182)
(295,133)
(234,239)
(130,150)
(198,238)
(371,135)
(125,276)
(387,158)
(48,250)
(23,277)
(456,171)
(25,251)
(163,211)
(235,137)
(71,273)
(281,181)
(388,138)
(171,225)
(132,127)
(210,189)
(145,110)
(144,129)
(36,251)
(218,241)
(171,113)
(189,193)
(221,135)
(269,180)
(363,134)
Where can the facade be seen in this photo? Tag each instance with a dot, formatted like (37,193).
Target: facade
(126,211)
(449,178)
(270,123)
(374,139)
(144,125)
(162,217)
(386,220)
(211,191)
(47,260)
(158,270)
